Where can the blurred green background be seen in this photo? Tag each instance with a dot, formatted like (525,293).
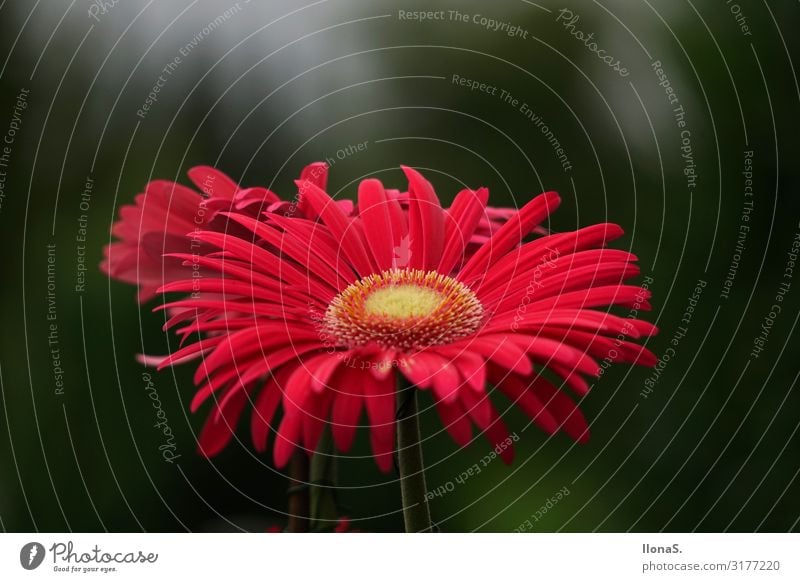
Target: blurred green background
(273,86)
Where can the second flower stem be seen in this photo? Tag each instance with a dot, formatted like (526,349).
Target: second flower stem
(298,493)
(324,510)
(416,511)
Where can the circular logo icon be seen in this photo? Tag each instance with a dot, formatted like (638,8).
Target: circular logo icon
(31,555)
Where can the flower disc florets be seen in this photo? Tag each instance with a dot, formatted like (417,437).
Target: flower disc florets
(403,309)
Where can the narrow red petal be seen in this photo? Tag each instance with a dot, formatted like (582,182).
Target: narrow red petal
(509,235)
(455,421)
(264,409)
(564,410)
(461,220)
(346,409)
(339,225)
(379,397)
(317,174)
(426,222)
(288,438)
(517,391)
(374,213)
(218,429)
(212,182)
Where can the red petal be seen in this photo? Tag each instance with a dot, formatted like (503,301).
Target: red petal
(288,437)
(317,174)
(426,222)
(517,391)
(470,365)
(218,429)
(346,408)
(564,410)
(264,408)
(339,225)
(213,183)
(461,220)
(500,349)
(455,421)
(374,213)
(487,419)
(379,396)
(509,235)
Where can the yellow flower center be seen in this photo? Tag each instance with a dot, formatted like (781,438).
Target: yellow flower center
(402,301)
(403,309)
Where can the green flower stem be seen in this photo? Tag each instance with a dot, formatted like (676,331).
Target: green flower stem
(324,507)
(416,512)
(298,493)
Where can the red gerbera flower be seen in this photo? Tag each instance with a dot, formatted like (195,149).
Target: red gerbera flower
(158,223)
(319,317)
